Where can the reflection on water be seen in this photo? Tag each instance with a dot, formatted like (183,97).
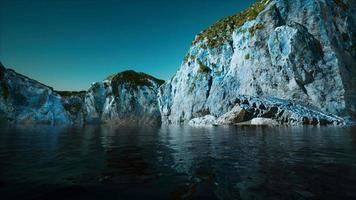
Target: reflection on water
(109,162)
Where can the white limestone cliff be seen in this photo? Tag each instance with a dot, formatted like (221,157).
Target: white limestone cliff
(299,51)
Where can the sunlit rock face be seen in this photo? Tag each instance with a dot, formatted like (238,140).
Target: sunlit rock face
(23,100)
(205,121)
(124,98)
(301,52)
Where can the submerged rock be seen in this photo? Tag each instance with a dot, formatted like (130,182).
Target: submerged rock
(301,52)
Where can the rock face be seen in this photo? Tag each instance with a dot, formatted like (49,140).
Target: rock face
(235,115)
(299,52)
(23,100)
(205,121)
(264,121)
(292,61)
(125,98)
(282,111)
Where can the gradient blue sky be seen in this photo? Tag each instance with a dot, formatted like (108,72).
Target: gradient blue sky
(69,44)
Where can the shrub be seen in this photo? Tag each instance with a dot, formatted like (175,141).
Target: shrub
(254,28)
(203,68)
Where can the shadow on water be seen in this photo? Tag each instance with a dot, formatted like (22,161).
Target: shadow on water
(172,162)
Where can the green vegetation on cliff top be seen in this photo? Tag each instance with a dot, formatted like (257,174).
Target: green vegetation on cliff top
(222,30)
(134,78)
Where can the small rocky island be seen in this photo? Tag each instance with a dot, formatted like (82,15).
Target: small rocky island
(278,62)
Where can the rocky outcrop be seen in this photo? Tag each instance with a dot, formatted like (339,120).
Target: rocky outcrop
(23,100)
(128,97)
(282,111)
(270,110)
(205,121)
(298,52)
(264,121)
(236,115)
(124,98)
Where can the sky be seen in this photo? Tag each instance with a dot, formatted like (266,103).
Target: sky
(68,44)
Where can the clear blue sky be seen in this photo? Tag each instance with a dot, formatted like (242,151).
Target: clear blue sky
(68,44)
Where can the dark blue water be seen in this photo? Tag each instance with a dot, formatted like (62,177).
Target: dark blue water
(106,162)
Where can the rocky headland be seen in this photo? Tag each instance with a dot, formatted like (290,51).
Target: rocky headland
(289,60)
(278,62)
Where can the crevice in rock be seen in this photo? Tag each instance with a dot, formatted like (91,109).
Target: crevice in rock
(302,87)
(231,43)
(280,20)
(210,83)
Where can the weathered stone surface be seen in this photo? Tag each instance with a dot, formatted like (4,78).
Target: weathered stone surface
(282,111)
(205,121)
(235,115)
(23,100)
(301,51)
(125,98)
(264,121)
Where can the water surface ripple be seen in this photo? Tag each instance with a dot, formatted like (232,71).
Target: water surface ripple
(108,162)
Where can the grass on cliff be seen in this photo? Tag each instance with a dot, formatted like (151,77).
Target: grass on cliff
(254,28)
(187,57)
(134,79)
(221,31)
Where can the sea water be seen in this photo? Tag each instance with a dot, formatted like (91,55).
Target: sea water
(177,162)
